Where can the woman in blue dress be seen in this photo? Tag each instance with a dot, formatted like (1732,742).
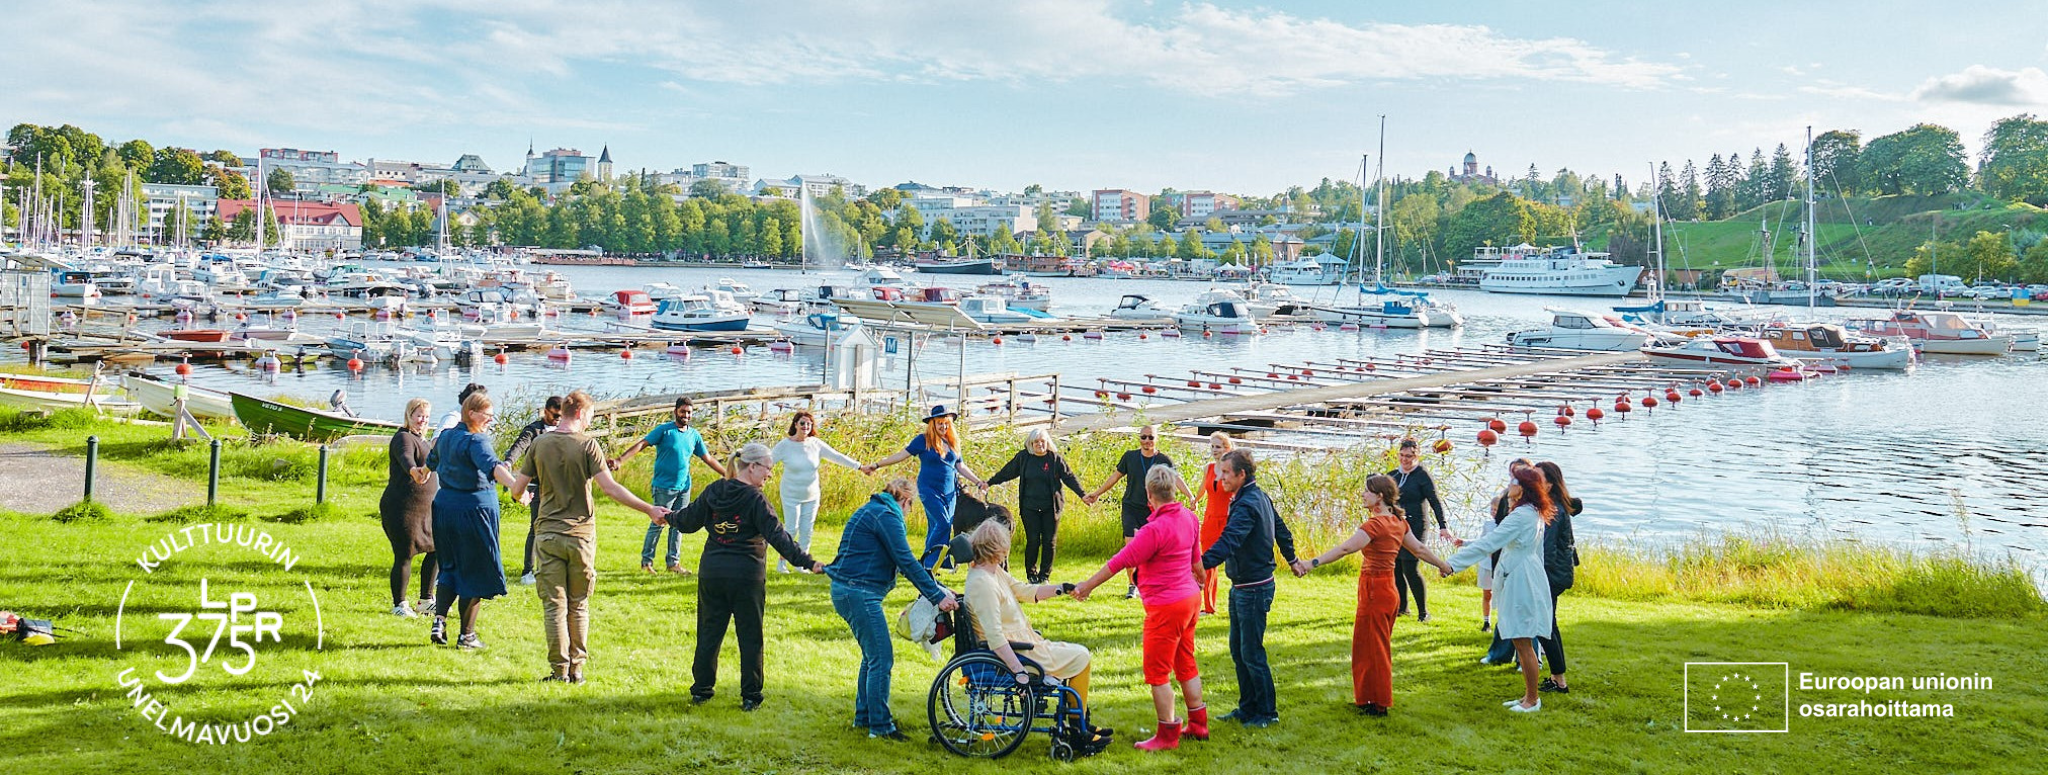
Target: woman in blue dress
(466,520)
(939,468)
(1521,591)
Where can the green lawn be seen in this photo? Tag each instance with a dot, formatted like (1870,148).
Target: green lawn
(388,702)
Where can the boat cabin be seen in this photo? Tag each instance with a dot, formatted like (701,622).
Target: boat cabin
(1745,348)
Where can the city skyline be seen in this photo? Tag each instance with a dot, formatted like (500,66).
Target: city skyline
(1072,95)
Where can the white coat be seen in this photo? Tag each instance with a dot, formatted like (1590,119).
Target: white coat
(1521,591)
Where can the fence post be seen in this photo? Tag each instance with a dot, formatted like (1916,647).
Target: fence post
(1055,401)
(213,474)
(320,483)
(92,460)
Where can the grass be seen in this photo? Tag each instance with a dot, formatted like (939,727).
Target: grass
(388,702)
(1884,230)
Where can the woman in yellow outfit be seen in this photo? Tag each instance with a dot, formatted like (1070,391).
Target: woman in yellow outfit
(993,596)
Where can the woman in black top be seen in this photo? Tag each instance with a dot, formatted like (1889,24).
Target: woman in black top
(407,508)
(732,576)
(1417,488)
(1131,470)
(1560,558)
(1041,472)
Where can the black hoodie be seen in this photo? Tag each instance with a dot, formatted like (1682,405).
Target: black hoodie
(1041,477)
(738,526)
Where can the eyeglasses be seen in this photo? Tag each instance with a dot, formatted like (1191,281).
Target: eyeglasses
(1147,438)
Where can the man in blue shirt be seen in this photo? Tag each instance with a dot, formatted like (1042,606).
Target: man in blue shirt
(674,443)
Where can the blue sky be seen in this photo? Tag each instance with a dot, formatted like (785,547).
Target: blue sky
(1075,94)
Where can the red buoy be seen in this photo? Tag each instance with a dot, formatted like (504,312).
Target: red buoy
(1141,335)
(1149,390)
(1272,375)
(1236,381)
(1498,425)
(355,364)
(499,358)
(1566,411)
(625,355)
(1695,392)
(1442,446)
(1733,383)
(184,370)
(1372,367)
(1123,396)
(1206,333)
(1194,383)
(1527,429)
(995,340)
(1101,394)
(1214,386)
(737,350)
(1754,381)
(1713,386)
(1562,421)
(1649,402)
(1622,407)
(1593,413)
(1487,437)
(1066,337)
(1671,396)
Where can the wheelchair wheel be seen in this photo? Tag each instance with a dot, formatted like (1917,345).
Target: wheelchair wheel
(978,710)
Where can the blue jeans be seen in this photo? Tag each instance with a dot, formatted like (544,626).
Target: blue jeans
(1248,608)
(863,613)
(671,500)
(938,531)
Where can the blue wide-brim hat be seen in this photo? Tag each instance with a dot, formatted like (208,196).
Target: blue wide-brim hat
(937,412)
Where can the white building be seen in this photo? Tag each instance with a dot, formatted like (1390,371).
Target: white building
(980,220)
(200,202)
(817,185)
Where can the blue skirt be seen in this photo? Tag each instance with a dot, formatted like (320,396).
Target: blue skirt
(466,542)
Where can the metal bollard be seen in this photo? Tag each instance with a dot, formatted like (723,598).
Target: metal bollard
(92,462)
(320,484)
(213,474)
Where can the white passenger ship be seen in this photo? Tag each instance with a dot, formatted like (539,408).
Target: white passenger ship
(1562,271)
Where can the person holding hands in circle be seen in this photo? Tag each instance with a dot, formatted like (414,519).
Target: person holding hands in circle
(1379,540)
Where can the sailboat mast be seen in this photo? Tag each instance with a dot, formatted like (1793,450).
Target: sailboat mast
(1812,268)
(1379,240)
(261,184)
(1657,234)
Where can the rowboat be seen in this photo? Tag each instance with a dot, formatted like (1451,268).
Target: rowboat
(262,416)
(44,384)
(41,400)
(203,335)
(160,397)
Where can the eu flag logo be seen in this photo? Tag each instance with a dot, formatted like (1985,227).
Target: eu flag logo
(1738,696)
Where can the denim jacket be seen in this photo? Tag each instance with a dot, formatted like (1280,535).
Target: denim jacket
(873,549)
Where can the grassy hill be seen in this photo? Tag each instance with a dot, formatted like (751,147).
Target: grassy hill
(1882,231)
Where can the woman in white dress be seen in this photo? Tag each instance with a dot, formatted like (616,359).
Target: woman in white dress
(1521,591)
(801,453)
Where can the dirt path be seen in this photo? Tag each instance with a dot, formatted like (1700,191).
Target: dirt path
(37,480)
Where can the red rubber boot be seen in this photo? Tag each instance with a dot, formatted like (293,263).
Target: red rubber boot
(1166,739)
(1197,726)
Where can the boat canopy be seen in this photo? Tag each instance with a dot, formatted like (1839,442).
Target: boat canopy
(1747,348)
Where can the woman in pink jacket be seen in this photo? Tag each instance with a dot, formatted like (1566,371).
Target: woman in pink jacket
(1169,571)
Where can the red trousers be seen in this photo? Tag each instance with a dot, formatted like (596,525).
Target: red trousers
(1372,658)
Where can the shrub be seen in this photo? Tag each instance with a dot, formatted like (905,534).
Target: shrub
(200,512)
(84,511)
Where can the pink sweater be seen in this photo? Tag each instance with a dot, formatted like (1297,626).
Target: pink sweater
(1163,552)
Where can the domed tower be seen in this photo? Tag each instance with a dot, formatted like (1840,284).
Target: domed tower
(1471,164)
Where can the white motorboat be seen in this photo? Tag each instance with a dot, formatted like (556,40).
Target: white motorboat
(739,291)
(486,306)
(992,310)
(782,302)
(1018,292)
(1831,345)
(701,312)
(1383,307)
(1218,312)
(1272,299)
(75,285)
(1576,330)
(630,302)
(659,291)
(1719,351)
(1945,333)
(883,276)
(1140,308)
(364,341)
(1307,271)
(817,329)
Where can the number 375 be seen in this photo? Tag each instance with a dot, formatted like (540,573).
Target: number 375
(227,618)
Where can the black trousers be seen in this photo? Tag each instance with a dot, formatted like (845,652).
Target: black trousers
(1407,578)
(1041,535)
(742,603)
(1553,646)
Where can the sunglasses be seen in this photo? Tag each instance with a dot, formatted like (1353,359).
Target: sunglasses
(1147,438)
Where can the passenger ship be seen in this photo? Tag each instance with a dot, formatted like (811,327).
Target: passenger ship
(1562,271)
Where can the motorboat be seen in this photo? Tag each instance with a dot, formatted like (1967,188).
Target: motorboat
(1719,350)
(450,342)
(1140,308)
(817,329)
(659,291)
(1018,292)
(77,285)
(740,291)
(1218,312)
(1307,271)
(1576,330)
(629,302)
(1383,307)
(993,310)
(1830,344)
(1945,333)
(486,306)
(197,335)
(364,341)
(2024,340)
(985,266)
(783,301)
(701,312)
(882,276)
(1272,299)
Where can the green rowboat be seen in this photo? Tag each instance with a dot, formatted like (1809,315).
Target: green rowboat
(261,416)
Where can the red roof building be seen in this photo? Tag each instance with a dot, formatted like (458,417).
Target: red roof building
(308,225)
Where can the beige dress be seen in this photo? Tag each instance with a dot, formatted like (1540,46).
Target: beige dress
(992,596)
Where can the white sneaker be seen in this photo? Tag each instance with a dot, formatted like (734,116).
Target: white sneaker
(1517,707)
(402,611)
(425,606)
(526,579)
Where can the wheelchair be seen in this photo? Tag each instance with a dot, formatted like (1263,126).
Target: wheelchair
(977,709)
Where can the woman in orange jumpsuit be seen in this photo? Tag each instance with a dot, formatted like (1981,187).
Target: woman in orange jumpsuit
(1379,540)
(1214,501)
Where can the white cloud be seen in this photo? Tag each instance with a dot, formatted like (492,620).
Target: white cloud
(1981,85)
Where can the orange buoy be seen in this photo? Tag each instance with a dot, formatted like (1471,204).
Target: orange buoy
(995,340)
(499,358)
(625,355)
(1593,413)
(355,364)
(1498,425)
(184,370)
(736,349)
(1754,381)
(1207,333)
(1527,429)
(1487,437)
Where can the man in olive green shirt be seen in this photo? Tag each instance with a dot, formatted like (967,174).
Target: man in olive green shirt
(564,462)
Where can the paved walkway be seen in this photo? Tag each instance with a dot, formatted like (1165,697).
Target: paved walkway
(36,479)
(1270,401)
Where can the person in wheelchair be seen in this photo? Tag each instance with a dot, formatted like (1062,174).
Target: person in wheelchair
(998,623)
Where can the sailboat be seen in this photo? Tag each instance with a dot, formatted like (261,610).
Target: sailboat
(1379,306)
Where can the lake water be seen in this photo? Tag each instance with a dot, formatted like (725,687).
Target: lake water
(1952,453)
